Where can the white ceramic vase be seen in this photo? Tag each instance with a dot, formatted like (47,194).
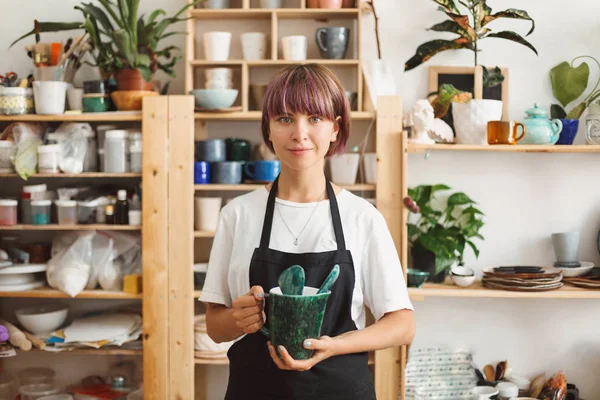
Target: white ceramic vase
(344,168)
(470,120)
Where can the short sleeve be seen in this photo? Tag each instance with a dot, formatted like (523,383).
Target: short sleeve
(383,280)
(216,287)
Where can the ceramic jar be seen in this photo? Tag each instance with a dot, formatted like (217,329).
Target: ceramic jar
(540,129)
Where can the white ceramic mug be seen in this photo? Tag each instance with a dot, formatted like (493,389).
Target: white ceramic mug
(218,74)
(75,98)
(219,84)
(484,392)
(50,96)
(294,47)
(254,45)
(216,45)
(206,213)
(344,168)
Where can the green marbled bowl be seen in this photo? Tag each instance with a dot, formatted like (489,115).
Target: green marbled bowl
(293,319)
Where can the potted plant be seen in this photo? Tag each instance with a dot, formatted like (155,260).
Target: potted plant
(471,27)
(568,84)
(438,235)
(124,44)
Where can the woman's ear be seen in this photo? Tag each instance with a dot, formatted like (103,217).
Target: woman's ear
(336,128)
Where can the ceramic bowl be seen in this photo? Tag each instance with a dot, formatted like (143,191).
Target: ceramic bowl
(462,276)
(43,318)
(214,98)
(416,278)
(130,100)
(570,272)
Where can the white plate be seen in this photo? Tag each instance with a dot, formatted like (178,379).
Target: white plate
(583,269)
(24,269)
(22,288)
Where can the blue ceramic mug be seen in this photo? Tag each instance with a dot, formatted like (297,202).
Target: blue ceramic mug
(227,172)
(263,170)
(568,132)
(201,172)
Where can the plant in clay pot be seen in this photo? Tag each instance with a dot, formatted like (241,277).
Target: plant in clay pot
(568,84)
(439,235)
(471,27)
(124,45)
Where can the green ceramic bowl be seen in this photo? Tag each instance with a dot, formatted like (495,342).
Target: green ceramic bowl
(96,103)
(416,278)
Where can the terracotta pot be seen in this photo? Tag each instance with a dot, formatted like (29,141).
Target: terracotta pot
(131,79)
(330,3)
(312,3)
(348,3)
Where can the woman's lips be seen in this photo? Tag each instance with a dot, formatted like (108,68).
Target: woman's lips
(299,152)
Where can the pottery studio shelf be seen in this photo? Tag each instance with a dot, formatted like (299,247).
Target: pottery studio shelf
(116,116)
(280,13)
(83,175)
(49,293)
(257,115)
(92,352)
(225,361)
(476,290)
(55,227)
(247,187)
(504,148)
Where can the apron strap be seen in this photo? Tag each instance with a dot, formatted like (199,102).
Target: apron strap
(335,216)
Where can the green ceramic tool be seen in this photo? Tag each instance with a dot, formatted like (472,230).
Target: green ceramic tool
(330,280)
(291,281)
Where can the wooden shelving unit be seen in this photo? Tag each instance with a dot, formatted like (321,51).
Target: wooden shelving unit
(94,352)
(257,115)
(117,116)
(48,293)
(54,227)
(249,187)
(503,148)
(83,175)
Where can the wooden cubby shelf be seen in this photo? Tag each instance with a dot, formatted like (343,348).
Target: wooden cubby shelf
(54,227)
(116,116)
(49,293)
(204,234)
(251,186)
(257,116)
(283,13)
(504,148)
(83,175)
(93,352)
(271,63)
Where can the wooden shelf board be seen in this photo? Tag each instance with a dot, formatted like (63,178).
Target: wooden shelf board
(207,361)
(116,116)
(55,227)
(423,148)
(283,13)
(268,63)
(476,290)
(93,352)
(49,293)
(257,115)
(83,175)
(203,234)
(248,187)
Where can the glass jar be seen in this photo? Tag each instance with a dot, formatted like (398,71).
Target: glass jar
(66,211)
(16,101)
(115,157)
(8,212)
(48,158)
(592,124)
(40,212)
(135,152)
(90,162)
(6,149)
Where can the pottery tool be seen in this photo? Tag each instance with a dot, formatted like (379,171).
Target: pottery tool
(37,342)
(291,281)
(17,338)
(330,280)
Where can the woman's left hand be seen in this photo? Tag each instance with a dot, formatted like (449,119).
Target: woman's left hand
(324,348)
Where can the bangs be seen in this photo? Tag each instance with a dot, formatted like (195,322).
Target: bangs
(301,92)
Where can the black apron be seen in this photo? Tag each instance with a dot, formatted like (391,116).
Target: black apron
(252,372)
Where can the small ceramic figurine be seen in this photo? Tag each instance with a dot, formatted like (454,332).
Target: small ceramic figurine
(422,117)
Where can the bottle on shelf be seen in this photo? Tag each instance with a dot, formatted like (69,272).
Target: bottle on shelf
(109,214)
(122,208)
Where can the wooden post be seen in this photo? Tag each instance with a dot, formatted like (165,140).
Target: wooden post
(181,247)
(389,202)
(155,253)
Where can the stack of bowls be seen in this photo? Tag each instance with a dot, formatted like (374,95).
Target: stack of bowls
(219,92)
(462,276)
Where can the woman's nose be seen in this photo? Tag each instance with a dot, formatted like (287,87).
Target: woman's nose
(300,130)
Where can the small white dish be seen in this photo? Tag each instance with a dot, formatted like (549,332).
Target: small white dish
(583,269)
(462,271)
(462,281)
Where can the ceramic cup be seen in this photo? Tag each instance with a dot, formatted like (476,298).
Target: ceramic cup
(344,168)
(49,97)
(258,95)
(566,246)
(568,132)
(75,99)
(211,150)
(263,170)
(505,132)
(254,45)
(270,3)
(238,149)
(484,393)
(370,167)
(217,4)
(228,172)
(294,47)
(201,172)
(218,78)
(216,45)
(293,319)
(206,213)
(333,42)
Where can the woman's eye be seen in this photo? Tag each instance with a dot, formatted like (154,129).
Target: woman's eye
(315,119)
(285,120)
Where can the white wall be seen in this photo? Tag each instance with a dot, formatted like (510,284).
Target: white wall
(525,196)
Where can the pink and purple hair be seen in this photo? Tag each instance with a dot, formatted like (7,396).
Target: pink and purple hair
(310,89)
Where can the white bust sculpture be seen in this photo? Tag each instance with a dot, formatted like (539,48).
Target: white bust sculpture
(423,118)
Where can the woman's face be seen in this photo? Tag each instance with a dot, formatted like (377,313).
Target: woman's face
(300,140)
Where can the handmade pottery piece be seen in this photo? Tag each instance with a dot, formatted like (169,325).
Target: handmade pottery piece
(330,280)
(291,281)
(540,129)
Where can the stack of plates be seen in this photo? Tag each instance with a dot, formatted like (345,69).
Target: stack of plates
(591,280)
(522,279)
(21,277)
(204,346)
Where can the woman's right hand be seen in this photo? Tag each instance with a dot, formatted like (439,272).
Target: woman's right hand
(248,310)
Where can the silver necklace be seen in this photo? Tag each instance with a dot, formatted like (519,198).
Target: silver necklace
(297,238)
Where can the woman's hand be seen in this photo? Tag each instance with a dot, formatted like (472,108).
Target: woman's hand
(324,348)
(247,310)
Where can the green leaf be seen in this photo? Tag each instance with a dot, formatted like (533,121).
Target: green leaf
(142,60)
(413,230)
(512,36)
(108,6)
(166,35)
(569,83)
(155,14)
(98,14)
(453,27)
(472,210)
(123,10)
(556,111)
(123,42)
(510,13)
(475,250)
(448,6)
(492,78)
(481,11)
(576,112)
(427,50)
(458,199)
(442,264)
(146,73)
(51,27)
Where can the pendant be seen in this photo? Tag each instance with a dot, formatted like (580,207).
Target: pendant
(296,242)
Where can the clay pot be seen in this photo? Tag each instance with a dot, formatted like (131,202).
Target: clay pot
(330,3)
(348,3)
(312,3)
(131,79)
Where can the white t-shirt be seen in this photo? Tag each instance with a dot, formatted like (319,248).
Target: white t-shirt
(379,282)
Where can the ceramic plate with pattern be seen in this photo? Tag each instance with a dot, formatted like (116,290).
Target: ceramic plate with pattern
(547,273)
(539,288)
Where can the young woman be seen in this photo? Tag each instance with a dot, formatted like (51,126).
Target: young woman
(301,218)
